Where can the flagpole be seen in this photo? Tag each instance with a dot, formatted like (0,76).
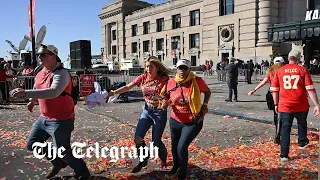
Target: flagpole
(34,59)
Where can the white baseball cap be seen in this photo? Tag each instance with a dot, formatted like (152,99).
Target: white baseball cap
(184,62)
(50,48)
(278,60)
(294,53)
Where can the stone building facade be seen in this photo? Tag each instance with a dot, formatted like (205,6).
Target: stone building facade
(198,30)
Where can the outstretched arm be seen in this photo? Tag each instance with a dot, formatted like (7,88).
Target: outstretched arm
(261,84)
(122,89)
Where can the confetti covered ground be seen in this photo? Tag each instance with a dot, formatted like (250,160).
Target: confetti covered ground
(226,148)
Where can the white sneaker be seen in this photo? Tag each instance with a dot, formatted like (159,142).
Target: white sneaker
(284,159)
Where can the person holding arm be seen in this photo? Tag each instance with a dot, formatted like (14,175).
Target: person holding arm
(186,121)
(278,63)
(153,85)
(294,83)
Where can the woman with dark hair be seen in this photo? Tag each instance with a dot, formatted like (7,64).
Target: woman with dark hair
(184,92)
(278,62)
(153,85)
(4,86)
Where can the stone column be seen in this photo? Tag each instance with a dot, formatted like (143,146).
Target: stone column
(267,15)
(107,39)
(104,45)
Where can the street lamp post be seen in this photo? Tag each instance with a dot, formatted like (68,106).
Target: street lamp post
(102,50)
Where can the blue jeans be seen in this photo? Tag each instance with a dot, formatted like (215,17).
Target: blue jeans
(287,119)
(181,137)
(157,118)
(232,85)
(60,131)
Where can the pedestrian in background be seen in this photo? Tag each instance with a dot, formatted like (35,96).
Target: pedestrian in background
(4,86)
(232,80)
(250,70)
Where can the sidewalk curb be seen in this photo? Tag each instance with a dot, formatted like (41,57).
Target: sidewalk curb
(255,119)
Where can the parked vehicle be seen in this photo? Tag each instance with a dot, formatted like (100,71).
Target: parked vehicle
(122,96)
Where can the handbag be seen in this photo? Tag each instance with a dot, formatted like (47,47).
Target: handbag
(269,99)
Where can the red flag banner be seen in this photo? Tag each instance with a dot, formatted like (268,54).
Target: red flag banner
(33,18)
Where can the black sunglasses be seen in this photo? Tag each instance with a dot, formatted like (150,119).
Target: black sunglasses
(44,54)
(183,67)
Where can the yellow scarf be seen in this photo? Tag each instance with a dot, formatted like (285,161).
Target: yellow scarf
(194,97)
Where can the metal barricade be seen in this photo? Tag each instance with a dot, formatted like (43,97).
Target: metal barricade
(23,82)
(257,75)
(106,81)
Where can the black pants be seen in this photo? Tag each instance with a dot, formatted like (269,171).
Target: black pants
(287,120)
(181,137)
(232,85)
(249,75)
(4,88)
(60,131)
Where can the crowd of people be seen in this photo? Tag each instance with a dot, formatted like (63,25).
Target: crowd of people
(8,79)
(290,84)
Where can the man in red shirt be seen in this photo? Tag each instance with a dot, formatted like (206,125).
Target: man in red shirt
(293,81)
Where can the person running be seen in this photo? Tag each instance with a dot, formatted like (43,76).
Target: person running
(293,81)
(186,121)
(56,112)
(278,63)
(153,84)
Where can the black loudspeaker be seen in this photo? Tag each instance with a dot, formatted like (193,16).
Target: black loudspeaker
(26,58)
(15,64)
(80,54)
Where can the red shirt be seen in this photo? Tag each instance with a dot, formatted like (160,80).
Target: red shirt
(27,71)
(4,76)
(293,81)
(59,108)
(151,87)
(181,111)
(269,77)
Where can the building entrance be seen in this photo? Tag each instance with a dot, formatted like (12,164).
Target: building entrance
(193,60)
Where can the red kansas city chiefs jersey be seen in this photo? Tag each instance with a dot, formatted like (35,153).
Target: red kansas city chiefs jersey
(293,81)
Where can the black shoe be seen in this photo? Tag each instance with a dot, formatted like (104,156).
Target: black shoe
(140,166)
(54,171)
(305,145)
(228,100)
(277,140)
(174,170)
(83,177)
